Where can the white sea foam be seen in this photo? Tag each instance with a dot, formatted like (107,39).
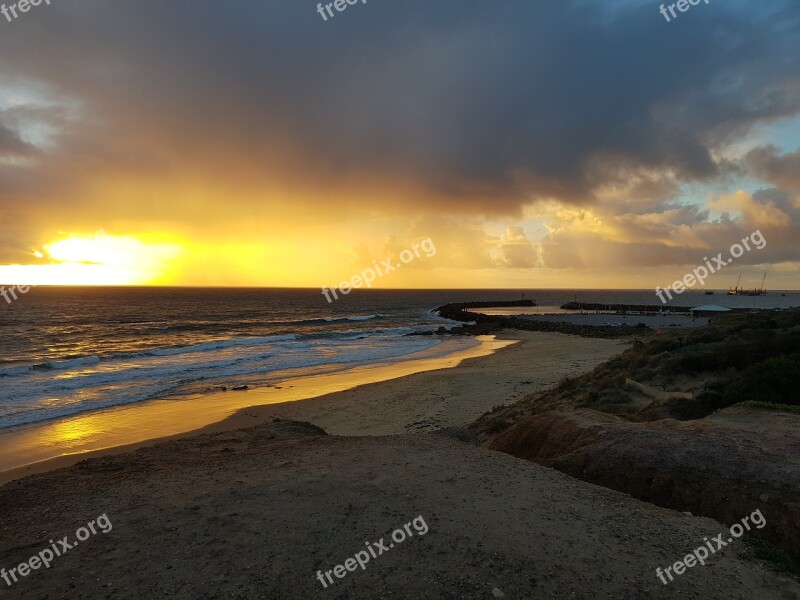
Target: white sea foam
(32,394)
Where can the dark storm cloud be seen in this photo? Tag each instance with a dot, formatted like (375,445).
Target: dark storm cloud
(770,165)
(11,145)
(483,105)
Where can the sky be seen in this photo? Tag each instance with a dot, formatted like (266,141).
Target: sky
(536,143)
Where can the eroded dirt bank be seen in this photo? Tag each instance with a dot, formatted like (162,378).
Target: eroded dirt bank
(724,466)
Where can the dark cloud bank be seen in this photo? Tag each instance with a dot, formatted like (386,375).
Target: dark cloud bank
(484,106)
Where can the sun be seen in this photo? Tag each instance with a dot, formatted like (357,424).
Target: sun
(96,259)
(99,249)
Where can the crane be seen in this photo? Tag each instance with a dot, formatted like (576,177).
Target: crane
(735,291)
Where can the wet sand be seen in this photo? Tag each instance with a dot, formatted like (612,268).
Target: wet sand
(416,395)
(54,444)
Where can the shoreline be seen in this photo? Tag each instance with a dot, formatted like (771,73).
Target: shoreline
(412,396)
(257,511)
(41,447)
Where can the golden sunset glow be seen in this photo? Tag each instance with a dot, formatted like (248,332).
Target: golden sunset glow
(291,172)
(97,259)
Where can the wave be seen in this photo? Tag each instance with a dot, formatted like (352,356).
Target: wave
(288,323)
(281,343)
(297,341)
(59,365)
(87,361)
(221,345)
(352,318)
(41,396)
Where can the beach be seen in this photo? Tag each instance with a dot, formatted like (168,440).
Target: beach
(455,392)
(256,507)
(473,301)
(446,398)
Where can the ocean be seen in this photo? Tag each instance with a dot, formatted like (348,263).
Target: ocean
(65,351)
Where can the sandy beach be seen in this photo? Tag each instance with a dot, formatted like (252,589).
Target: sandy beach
(445,397)
(254,507)
(446,389)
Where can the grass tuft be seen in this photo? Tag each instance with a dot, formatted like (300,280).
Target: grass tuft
(771,406)
(779,560)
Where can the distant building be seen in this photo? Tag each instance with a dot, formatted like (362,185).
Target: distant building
(709,310)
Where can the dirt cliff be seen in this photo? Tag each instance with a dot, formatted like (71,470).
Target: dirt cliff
(724,466)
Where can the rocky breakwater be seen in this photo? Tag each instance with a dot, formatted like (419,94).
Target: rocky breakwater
(485,324)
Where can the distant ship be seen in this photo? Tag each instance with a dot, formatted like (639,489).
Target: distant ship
(737,291)
(709,293)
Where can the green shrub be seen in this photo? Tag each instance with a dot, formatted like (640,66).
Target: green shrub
(773,380)
(615,396)
(771,406)
(705,403)
(778,559)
